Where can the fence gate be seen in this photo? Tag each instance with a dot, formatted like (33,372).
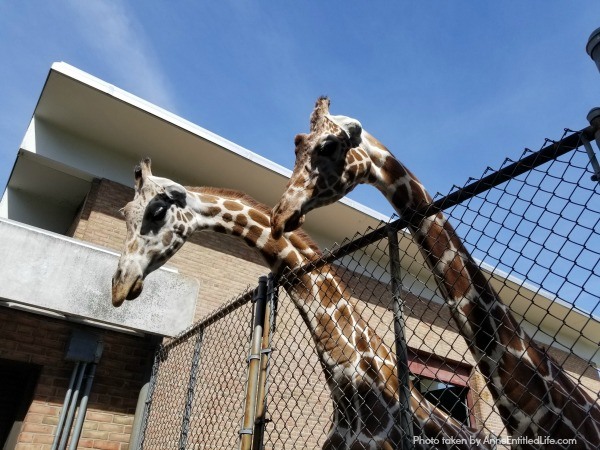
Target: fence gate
(533,228)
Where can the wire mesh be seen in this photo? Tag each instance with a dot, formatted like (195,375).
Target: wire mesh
(535,237)
(197,393)
(533,230)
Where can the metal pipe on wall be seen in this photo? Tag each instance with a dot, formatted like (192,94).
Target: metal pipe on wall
(65,407)
(69,421)
(82,408)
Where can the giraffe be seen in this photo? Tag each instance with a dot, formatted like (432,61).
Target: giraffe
(533,394)
(360,368)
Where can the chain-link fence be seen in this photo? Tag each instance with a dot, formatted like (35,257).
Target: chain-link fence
(334,378)
(196,396)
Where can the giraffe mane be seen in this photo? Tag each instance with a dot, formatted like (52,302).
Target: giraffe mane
(250,201)
(321,107)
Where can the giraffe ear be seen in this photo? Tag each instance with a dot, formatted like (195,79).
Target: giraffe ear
(351,126)
(141,172)
(139,181)
(174,191)
(177,193)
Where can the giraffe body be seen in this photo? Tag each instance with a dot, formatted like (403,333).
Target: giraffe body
(360,369)
(534,396)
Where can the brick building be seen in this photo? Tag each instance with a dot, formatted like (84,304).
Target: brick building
(60,234)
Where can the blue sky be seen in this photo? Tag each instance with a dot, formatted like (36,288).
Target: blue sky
(451,87)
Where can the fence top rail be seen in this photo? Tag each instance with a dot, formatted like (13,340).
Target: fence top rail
(546,154)
(210,319)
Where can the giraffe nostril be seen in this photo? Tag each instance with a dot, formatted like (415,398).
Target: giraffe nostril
(116,277)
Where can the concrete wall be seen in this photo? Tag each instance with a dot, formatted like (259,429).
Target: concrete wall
(49,271)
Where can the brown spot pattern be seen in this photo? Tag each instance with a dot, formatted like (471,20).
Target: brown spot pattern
(260,218)
(167,238)
(233,206)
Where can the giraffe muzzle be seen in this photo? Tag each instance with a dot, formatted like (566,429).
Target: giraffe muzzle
(282,222)
(126,289)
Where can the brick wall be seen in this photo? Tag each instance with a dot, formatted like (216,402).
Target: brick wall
(40,340)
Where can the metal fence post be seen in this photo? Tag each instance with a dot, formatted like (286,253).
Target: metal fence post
(261,397)
(189,400)
(594,118)
(593,47)
(405,414)
(148,403)
(254,363)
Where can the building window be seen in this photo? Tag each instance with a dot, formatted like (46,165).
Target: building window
(444,383)
(448,397)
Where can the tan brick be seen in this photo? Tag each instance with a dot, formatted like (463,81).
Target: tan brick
(20,446)
(50,420)
(89,425)
(113,427)
(37,428)
(123,420)
(95,434)
(36,418)
(26,437)
(120,437)
(43,439)
(99,417)
(107,445)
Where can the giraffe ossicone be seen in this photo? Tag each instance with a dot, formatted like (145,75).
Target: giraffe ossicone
(360,368)
(533,394)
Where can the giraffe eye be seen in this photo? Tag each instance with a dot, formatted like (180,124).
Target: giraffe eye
(160,212)
(328,146)
(157,209)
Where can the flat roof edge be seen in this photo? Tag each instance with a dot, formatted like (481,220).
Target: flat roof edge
(150,108)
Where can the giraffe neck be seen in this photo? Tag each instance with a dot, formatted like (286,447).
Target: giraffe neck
(533,394)
(360,368)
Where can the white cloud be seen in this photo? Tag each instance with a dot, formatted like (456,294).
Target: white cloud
(120,43)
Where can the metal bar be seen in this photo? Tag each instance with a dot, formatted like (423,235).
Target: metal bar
(82,408)
(592,157)
(72,407)
(140,408)
(261,403)
(185,424)
(209,320)
(63,411)
(536,159)
(157,360)
(254,359)
(405,418)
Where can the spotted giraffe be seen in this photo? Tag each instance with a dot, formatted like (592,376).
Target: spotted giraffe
(533,394)
(360,368)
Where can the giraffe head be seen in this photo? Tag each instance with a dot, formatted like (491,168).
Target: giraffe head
(329,164)
(159,219)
